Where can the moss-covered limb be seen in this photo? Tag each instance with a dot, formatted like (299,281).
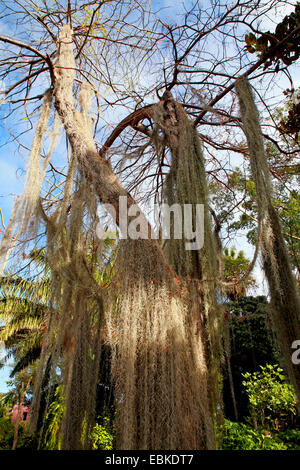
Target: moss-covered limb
(97,170)
(276,263)
(26,207)
(159,364)
(284,294)
(95,167)
(186,184)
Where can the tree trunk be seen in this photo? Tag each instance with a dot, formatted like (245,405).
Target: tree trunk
(17,422)
(285,298)
(97,170)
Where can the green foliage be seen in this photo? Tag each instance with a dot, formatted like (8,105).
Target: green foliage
(103,435)
(272,407)
(234,263)
(252,343)
(25,440)
(6,429)
(289,52)
(239,187)
(286,200)
(52,439)
(20,386)
(272,401)
(235,267)
(289,210)
(235,203)
(250,329)
(291,438)
(23,313)
(238,436)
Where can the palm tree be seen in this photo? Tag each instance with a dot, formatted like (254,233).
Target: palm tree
(24,305)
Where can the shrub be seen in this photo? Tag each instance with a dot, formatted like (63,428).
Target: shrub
(239,436)
(25,440)
(103,436)
(272,401)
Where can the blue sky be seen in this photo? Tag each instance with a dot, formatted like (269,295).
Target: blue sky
(11,170)
(11,183)
(4,376)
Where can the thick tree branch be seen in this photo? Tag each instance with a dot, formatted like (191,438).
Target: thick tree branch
(130,120)
(96,168)
(136,116)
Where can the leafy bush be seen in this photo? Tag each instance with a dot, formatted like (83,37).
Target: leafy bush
(6,432)
(25,440)
(272,407)
(238,436)
(54,418)
(272,401)
(291,438)
(103,436)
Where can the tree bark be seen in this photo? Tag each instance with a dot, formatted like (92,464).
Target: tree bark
(17,422)
(95,167)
